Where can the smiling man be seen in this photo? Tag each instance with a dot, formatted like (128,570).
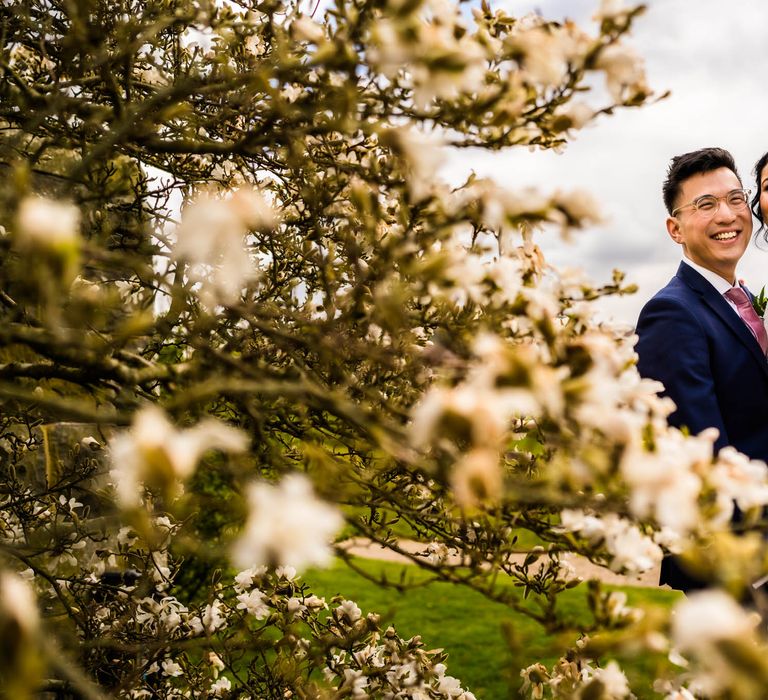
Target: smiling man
(699,335)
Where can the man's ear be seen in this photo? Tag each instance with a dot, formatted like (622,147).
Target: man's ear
(673,229)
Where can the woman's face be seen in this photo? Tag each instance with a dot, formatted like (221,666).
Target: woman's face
(763,183)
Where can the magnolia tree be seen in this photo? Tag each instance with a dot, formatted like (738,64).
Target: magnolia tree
(243,318)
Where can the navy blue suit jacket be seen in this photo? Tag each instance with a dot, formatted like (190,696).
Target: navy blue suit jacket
(711,365)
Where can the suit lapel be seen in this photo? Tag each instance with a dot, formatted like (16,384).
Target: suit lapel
(715,301)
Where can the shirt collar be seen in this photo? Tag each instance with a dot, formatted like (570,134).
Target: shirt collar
(712,277)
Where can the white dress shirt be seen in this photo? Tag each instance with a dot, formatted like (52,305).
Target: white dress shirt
(721,285)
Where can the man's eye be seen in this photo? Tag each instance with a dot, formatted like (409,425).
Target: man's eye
(705,205)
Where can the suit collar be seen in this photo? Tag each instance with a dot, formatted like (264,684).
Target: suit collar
(713,278)
(720,306)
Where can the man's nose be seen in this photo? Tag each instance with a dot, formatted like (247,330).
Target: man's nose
(725,212)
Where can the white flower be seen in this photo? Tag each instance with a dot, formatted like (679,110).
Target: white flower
(507,275)
(542,303)
(590,527)
(680,694)
(244,580)
(292,92)
(665,483)
(221,685)
(437,552)
(287,525)
(253,603)
(629,548)
(215,660)
(155,452)
(286,572)
(672,540)
(315,602)
(295,606)
(70,504)
(433,53)
(432,81)
(502,206)
(46,223)
(213,618)
(306,29)
(706,617)
(449,686)
(544,55)
(424,154)
(579,113)
(615,685)
(169,612)
(350,610)
(487,410)
(737,478)
(355,683)
(623,69)
(211,239)
(171,668)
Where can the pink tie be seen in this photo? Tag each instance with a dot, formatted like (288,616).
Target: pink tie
(744,306)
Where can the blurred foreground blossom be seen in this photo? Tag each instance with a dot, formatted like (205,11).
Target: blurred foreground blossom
(666,482)
(287,525)
(423,154)
(46,223)
(18,609)
(430,49)
(20,662)
(211,240)
(707,617)
(623,69)
(49,230)
(544,54)
(740,480)
(613,680)
(630,549)
(306,29)
(477,477)
(611,10)
(711,629)
(156,453)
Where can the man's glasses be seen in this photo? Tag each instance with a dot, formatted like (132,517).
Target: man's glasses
(708,204)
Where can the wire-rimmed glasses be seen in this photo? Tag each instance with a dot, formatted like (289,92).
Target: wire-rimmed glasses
(708,204)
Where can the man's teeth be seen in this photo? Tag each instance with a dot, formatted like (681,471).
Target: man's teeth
(725,235)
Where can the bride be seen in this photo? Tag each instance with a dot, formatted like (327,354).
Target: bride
(760,200)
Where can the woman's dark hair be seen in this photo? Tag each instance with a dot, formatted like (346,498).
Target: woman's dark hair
(759,167)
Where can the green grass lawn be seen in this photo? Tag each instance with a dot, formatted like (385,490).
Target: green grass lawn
(470,627)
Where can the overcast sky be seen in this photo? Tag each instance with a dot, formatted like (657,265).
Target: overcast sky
(712,55)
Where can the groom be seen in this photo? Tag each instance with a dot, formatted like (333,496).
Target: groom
(699,335)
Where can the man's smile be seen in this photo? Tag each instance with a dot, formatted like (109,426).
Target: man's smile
(725,235)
